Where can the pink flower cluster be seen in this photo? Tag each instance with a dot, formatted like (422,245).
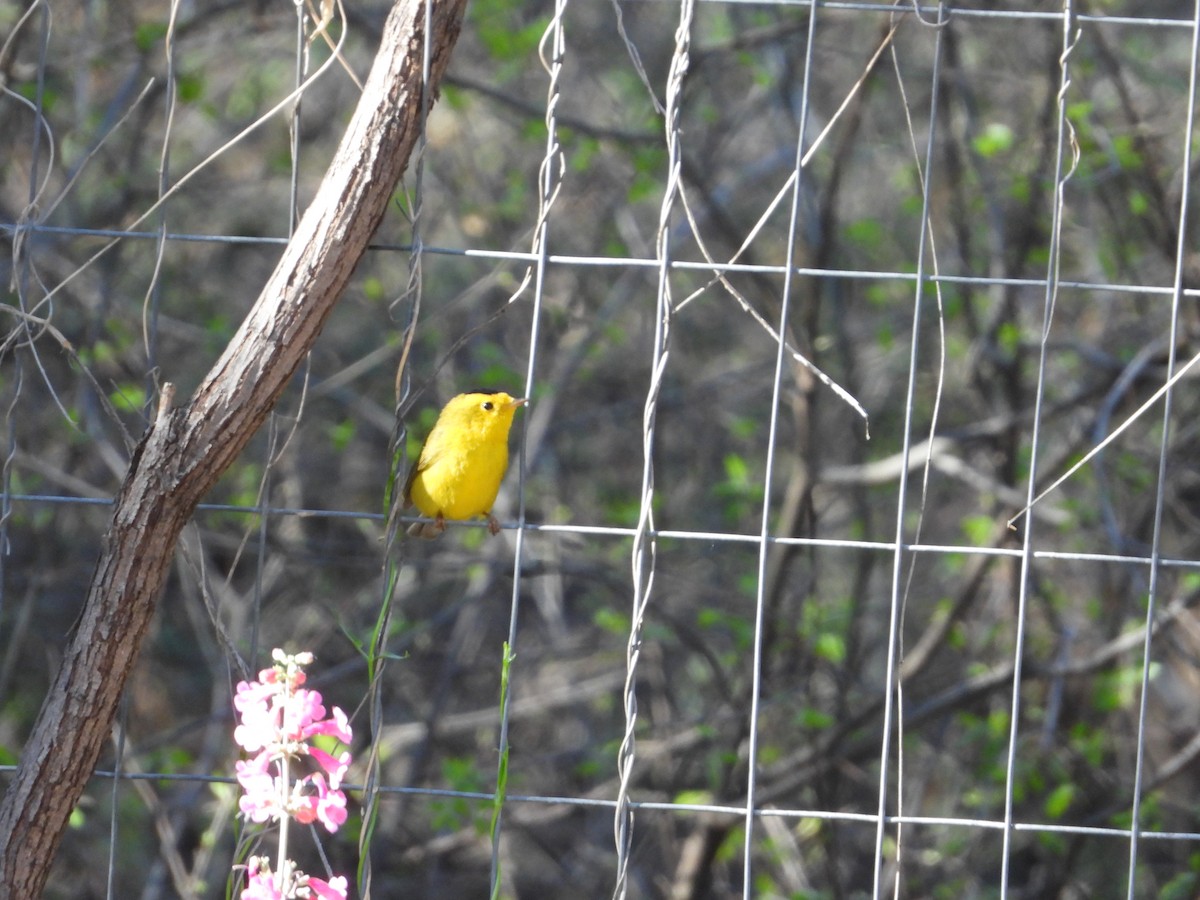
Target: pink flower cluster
(287,777)
(261,884)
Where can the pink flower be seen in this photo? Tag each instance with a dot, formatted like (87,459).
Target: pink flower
(335,767)
(338,727)
(260,883)
(258,705)
(312,800)
(260,798)
(334,889)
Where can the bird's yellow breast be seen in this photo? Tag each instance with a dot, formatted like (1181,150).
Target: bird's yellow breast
(463,484)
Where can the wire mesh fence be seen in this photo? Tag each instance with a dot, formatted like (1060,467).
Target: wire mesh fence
(816,305)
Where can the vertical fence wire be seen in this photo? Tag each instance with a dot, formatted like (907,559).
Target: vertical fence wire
(1065,143)
(552,53)
(893,713)
(764,546)
(1152,591)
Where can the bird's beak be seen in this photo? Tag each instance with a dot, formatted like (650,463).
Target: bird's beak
(513,404)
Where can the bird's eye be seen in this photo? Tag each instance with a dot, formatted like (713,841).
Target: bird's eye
(487,404)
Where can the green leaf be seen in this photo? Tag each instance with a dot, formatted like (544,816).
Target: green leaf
(612,621)
(189,88)
(341,434)
(694,798)
(995,139)
(736,469)
(1059,800)
(831,647)
(815,719)
(1126,151)
(867,232)
(145,36)
(977,529)
(373,289)
(128,398)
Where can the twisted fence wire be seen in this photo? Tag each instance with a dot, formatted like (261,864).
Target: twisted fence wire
(645,544)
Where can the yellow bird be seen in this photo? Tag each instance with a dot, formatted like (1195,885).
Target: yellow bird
(458,473)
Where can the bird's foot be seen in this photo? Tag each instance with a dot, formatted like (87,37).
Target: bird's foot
(428,530)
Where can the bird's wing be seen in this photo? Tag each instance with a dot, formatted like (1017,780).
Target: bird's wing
(429,455)
(412,473)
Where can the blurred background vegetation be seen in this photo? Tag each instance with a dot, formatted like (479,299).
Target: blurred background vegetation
(308,574)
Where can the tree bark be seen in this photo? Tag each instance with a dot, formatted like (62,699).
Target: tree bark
(187,449)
